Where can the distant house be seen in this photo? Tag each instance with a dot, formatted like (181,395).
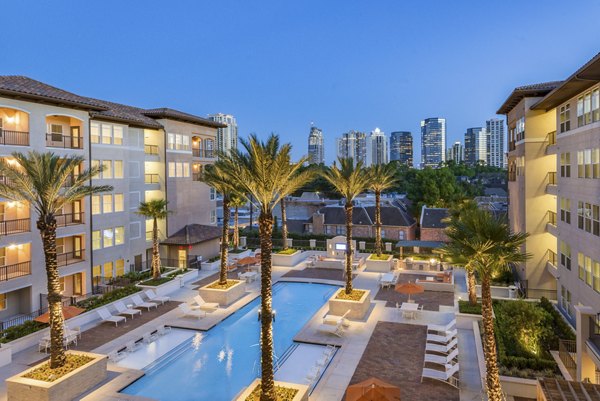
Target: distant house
(433,225)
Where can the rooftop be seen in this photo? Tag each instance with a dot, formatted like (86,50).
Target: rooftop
(533,90)
(433,217)
(193,234)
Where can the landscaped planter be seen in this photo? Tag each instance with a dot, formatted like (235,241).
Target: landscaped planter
(65,388)
(358,309)
(223,297)
(292,260)
(301,395)
(210,266)
(164,288)
(240,255)
(382,266)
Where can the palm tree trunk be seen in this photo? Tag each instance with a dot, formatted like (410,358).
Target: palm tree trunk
(224,241)
(236,229)
(284,231)
(378,246)
(47,227)
(349,250)
(265,226)
(155,253)
(494,390)
(472,287)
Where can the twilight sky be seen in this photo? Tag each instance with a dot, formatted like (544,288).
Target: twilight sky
(279,65)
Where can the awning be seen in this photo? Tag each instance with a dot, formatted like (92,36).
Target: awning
(420,244)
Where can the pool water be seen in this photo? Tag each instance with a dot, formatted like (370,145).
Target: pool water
(218,364)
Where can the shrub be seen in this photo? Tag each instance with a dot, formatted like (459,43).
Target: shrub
(155,282)
(561,329)
(523,325)
(213,259)
(355,295)
(177,272)
(383,256)
(96,302)
(283,393)
(289,251)
(21,330)
(466,307)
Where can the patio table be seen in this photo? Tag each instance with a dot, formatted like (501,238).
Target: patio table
(409,310)
(249,276)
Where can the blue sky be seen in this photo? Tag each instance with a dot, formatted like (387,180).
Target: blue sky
(280,65)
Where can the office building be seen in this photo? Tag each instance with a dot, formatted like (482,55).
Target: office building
(377,152)
(316,149)
(455,153)
(353,144)
(401,147)
(227,137)
(433,142)
(476,146)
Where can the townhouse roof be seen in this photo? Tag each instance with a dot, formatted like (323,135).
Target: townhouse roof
(193,234)
(582,79)
(533,90)
(336,214)
(172,114)
(125,114)
(434,217)
(391,215)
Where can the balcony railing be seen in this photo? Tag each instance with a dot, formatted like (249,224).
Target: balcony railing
(9,272)
(70,258)
(69,219)
(204,153)
(551,138)
(552,258)
(552,178)
(151,178)
(18,138)
(551,217)
(151,149)
(8,227)
(567,352)
(64,141)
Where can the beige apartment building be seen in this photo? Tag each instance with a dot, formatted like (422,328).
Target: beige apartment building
(554,189)
(146,154)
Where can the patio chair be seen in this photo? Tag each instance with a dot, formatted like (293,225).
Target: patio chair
(187,311)
(337,319)
(123,310)
(147,338)
(442,349)
(337,330)
(132,346)
(106,316)
(116,356)
(139,303)
(444,339)
(446,376)
(152,297)
(441,359)
(74,331)
(44,344)
(162,330)
(442,328)
(201,304)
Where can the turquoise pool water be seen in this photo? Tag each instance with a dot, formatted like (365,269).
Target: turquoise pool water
(217,364)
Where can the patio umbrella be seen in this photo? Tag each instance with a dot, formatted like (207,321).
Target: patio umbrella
(409,288)
(248,260)
(68,312)
(372,390)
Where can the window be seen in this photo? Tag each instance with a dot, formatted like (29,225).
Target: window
(96,164)
(97,271)
(96,240)
(588,163)
(596,163)
(96,204)
(213,216)
(212,194)
(565,255)
(520,162)
(328,229)
(118,168)
(309,228)
(565,210)
(119,203)
(596,105)
(108,269)
(107,204)
(565,118)
(118,135)
(520,129)
(588,108)
(119,235)
(585,268)
(108,237)
(565,164)
(565,300)
(179,169)
(596,220)
(56,132)
(178,142)
(596,275)
(106,134)
(95,133)
(340,230)
(401,235)
(120,267)
(107,169)
(2,301)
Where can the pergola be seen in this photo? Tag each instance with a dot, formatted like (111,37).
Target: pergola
(551,389)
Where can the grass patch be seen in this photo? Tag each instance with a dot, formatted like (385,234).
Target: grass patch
(466,307)
(237,250)
(355,295)
(383,257)
(44,373)
(155,282)
(178,272)
(282,393)
(216,286)
(21,330)
(96,302)
(289,251)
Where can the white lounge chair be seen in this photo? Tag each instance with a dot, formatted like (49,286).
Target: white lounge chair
(147,338)
(132,346)
(139,303)
(446,376)
(443,349)
(116,356)
(327,355)
(123,310)
(155,298)
(441,359)
(187,311)
(201,304)
(441,327)
(162,330)
(337,330)
(337,319)
(106,316)
(444,339)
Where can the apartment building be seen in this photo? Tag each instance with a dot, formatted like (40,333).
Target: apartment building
(554,190)
(146,154)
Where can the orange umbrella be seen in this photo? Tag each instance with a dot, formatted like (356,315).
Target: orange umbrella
(68,312)
(248,260)
(372,390)
(409,288)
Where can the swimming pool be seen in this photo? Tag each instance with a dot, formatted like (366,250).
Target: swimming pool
(217,364)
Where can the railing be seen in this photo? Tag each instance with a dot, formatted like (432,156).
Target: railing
(64,141)
(196,176)
(551,217)
(552,178)
(552,258)
(567,352)
(18,138)
(151,149)
(69,219)
(69,258)
(8,227)
(204,153)
(551,138)
(5,180)
(151,178)
(9,272)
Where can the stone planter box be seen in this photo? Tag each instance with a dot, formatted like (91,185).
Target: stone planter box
(164,288)
(382,266)
(66,388)
(223,297)
(288,260)
(211,266)
(301,395)
(358,309)
(466,320)
(241,255)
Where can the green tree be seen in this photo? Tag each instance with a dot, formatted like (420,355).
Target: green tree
(382,178)
(49,182)
(155,209)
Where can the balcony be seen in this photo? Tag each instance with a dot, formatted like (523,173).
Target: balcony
(151,178)
(196,176)
(550,142)
(551,183)
(151,149)
(551,223)
(16,270)
(18,138)
(204,153)
(69,219)
(64,141)
(70,258)
(552,263)
(551,218)
(8,227)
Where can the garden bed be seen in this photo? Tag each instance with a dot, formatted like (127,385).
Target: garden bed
(290,258)
(155,282)
(284,392)
(381,263)
(358,302)
(223,296)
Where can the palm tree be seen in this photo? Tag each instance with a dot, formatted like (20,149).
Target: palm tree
(383,177)
(48,182)
(266,173)
(155,209)
(491,247)
(237,200)
(350,181)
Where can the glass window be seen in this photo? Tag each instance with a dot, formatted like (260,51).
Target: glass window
(96,164)
(596,274)
(120,267)
(119,235)
(107,171)
(107,206)
(596,105)
(565,255)
(97,271)
(95,133)
(565,210)
(118,168)
(171,141)
(108,269)
(580,111)
(119,203)
(213,216)
(96,204)
(595,163)
(587,108)
(118,135)
(186,169)
(185,142)
(179,169)
(96,241)
(108,237)
(172,169)
(2,301)
(212,194)
(565,164)
(106,133)
(565,118)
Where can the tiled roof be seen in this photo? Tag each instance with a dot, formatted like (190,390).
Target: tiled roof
(539,86)
(165,112)
(193,234)
(392,216)
(337,215)
(433,217)
(533,90)
(365,216)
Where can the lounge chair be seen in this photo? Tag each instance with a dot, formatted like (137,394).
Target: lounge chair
(123,310)
(337,319)
(441,359)
(337,330)
(444,339)
(132,346)
(446,376)
(442,349)
(73,331)
(147,338)
(152,297)
(139,303)
(116,356)
(313,375)
(201,304)
(106,316)
(187,311)
(441,327)
(162,330)
(327,355)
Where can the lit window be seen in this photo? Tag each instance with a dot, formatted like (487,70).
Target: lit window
(565,165)
(119,235)
(96,164)
(118,168)
(108,269)
(96,240)
(2,301)
(119,203)
(108,237)
(120,267)
(107,169)
(565,118)
(118,135)
(95,133)
(106,133)
(97,271)
(565,255)
(172,169)
(107,204)
(186,169)
(96,204)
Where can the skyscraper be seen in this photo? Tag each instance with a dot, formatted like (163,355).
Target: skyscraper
(455,153)
(475,145)
(495,142)
(226,137)
(433,142)
(316,150)
(401,147)
(353,144)
(377,148)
